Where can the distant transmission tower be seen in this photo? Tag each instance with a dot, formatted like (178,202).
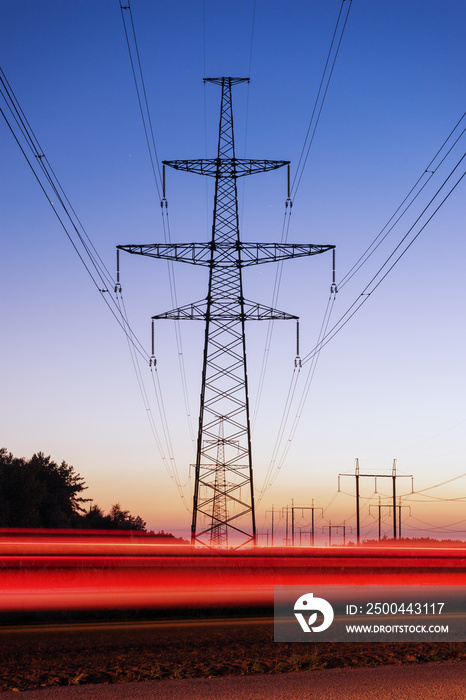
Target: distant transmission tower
(223,505)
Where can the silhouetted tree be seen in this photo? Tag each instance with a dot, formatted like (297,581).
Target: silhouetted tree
(95,519)
(124,521)
(117,519)
(21,492)
(40,493)
(61,503)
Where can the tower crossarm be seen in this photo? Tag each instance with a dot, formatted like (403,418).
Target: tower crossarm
(226,167)
(230,80)
(257,253)
(238,254)
(227,310)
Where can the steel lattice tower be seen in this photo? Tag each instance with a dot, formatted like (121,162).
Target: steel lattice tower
(223,503)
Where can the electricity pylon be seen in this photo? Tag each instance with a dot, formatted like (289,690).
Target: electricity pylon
(223,503)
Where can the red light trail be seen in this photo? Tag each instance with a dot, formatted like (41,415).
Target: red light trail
(66,570)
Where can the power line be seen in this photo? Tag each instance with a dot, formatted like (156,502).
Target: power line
(382,273)
(276,464)
(169,464)
(78,237)
(323,88)
(270,324)
(433,436)
(50,186)
(142,100)
(159,179)
(430,499)
(432,529)
(321,93)
(443,527)
(430,171)
(308,140)
(436,486)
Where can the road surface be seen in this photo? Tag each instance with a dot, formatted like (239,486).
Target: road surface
(433,681)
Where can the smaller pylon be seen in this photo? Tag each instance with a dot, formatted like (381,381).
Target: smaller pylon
(219,531)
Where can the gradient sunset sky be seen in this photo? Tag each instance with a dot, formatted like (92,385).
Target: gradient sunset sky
(390,385)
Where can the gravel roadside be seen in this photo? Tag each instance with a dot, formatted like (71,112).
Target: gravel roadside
(63,655)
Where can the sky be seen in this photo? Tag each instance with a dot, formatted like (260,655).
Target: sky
(389,385)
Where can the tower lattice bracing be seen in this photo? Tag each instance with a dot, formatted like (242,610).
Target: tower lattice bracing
(223,500)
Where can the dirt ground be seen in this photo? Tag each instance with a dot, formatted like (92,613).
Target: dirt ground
(41,656)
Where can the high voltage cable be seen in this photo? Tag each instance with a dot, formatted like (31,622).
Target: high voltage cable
(270,324)
(275,464)
(378,240)
(309,378)
(378,278)
(317,110)
(459,522)
(158,393)
(321,93)
(31,140)
(335,495)
(291,391)
(141,92)
(373,247)
(402,496)
(143,108)
(138,78)
(170,465)
(34,146)
(253,24)
(101,277)
(243,184)
(273,467)
(376,281)
(178,337)
(458,499)
(371,529)
(435,486)
(371,526)
(434,528)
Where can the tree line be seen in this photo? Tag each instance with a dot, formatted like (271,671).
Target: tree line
(39,493)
